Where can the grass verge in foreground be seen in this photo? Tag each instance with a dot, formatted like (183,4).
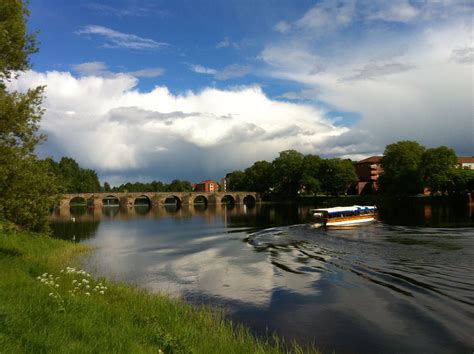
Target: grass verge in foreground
(36,317)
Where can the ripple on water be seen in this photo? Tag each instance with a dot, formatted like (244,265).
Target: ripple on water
(396,258)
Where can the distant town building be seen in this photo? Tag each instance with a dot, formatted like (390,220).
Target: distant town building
(368,172)
(224,184)
(466,162)
(207,186)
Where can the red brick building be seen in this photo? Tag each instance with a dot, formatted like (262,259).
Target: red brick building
(207,186)
(368,172)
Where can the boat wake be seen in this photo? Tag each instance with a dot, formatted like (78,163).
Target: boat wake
(278,236)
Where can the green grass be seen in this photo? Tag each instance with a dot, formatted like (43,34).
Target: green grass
(123,320)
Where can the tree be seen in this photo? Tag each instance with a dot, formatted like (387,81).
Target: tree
(237,181)
(401,165)
(27,185)
(311,174)
(337,175)
(287,173)
(259,176)
(15,43)
(180,186)
(107,187)
(157,186)
(462,181)
(436,168)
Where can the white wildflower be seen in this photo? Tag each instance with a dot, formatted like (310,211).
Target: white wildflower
(101,292)
(87,294)
(51,294)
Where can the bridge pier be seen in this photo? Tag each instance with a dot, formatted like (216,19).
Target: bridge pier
(126,202)
(97,203)
(64,203)
(186,200)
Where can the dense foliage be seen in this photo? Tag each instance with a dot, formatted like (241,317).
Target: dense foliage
(72,177)
(293,173)
(15,43)
(409,168)
(26,185)
(155,186)
(401,165)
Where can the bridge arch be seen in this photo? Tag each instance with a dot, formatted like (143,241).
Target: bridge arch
(249,200)
(228,199)
(142,201)
(110,200)
(78,201)
(172,199)
(200,199)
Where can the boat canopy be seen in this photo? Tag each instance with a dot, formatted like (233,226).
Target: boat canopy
(345,209)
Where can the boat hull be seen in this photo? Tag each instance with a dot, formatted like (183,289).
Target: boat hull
(350,221)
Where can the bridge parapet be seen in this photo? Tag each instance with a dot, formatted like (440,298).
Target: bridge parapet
(128,200)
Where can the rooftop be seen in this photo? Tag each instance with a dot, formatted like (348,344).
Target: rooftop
(371,159)
(465,159)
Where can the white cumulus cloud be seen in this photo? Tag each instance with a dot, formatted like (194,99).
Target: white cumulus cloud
(117,129)
(415,84)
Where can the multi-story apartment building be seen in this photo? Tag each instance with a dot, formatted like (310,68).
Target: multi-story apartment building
(368,172)
(207,186)
(224,184)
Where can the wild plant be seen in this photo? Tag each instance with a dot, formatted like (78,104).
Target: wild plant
(75,283)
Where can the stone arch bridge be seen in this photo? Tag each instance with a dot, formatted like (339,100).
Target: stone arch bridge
(128,200)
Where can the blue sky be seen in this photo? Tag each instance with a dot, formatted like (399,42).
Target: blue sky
(211,34)
(143,90)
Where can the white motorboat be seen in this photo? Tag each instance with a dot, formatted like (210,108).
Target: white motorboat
(344,216)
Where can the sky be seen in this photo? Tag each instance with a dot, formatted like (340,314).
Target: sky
(187,89)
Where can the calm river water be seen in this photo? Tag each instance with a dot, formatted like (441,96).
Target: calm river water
(404,284)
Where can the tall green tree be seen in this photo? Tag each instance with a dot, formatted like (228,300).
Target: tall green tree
(401,165)
(311,179)
(16,44)
(437,167)
(237,181)
(260,176)
(107,187)
(27,186)
(337,175)
(287,173)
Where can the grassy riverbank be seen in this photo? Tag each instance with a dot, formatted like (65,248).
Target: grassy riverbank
(56,314)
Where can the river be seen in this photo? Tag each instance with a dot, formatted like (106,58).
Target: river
(403,284)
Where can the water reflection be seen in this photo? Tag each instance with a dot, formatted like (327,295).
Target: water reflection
(362,289)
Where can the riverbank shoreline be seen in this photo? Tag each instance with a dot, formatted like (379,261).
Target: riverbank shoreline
(368,199)
(43,309)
